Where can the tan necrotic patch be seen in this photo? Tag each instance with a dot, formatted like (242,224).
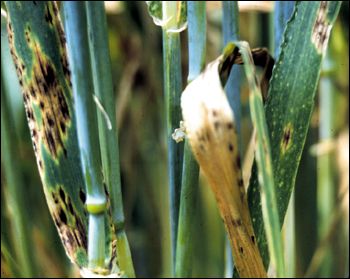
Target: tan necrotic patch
(321,30)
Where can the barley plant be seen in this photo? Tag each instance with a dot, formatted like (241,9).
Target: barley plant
(174,139)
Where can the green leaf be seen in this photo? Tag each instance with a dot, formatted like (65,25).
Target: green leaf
(190,172)
(290,103)
(104,96)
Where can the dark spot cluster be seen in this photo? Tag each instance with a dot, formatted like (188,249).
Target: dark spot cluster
(62,40)
(73,236)
(237,222)
(203,137)
(49,76)
(41,90)
(66,70)
(27,35)
(48,15)
(49,96)
(113,255)
(320,31)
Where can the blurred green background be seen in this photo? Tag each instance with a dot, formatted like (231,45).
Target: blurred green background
(316,229)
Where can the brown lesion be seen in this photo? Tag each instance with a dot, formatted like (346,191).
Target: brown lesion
(62,41)
(321,29)
(230,147)
(238,162)
(287,137)
(253,239)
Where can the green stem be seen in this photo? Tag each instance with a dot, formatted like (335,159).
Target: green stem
(189,189)
(326,188)
(79,58)
(108,134)
(172,90)
(230,30)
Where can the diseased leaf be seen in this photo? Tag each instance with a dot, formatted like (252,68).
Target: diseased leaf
(290,103)
(211,132)
(38,48)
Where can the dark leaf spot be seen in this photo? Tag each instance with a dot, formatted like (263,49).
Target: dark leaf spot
(253,239)
(34,133)
(32,92)
(241,249)
(54,197)
(30,114)
(65,152)
(63,105)
(63,217)
(49,76)
(48,16)
(62,195)
(238,162)
(106,190)
(229,126)
(286,137)
(50,121)
(230,147)
(82,196)
(63,127)
(70,207)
